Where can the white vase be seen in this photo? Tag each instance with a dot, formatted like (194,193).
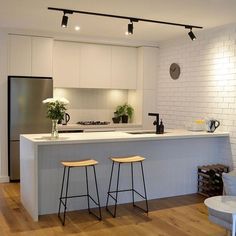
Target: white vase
(54,134)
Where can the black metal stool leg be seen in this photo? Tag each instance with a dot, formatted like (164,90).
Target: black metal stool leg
(132,179)
(109,188)
(117,188)
(67,185)
(144,187)
(62,188)
(96,184)
(86,174)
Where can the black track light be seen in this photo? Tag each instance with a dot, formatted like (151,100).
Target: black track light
(191,35)
(64,21)
(130,28)
(130,25)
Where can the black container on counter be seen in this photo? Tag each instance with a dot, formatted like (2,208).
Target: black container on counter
(161,127)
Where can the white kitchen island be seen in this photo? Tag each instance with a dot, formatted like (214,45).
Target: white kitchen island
(170,166)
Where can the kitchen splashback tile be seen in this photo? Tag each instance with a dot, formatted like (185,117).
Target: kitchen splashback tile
(92,104)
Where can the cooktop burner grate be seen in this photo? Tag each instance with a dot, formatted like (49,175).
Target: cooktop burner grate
(93,122)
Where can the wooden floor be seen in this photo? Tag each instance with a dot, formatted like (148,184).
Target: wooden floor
(176,216)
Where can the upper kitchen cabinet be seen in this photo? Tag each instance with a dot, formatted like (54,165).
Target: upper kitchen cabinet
(95,66)
(30,56)
(66,64)
(124,67)
(19,55)
(42,56)
(150,65)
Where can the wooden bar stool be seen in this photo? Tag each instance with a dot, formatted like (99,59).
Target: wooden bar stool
(63,199)
(126,160)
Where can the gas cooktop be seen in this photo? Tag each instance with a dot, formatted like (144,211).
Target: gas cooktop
(93,122)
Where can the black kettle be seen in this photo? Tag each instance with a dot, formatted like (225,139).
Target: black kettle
(211,125)
(65,119)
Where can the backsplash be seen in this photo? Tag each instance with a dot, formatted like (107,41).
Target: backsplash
(92,104)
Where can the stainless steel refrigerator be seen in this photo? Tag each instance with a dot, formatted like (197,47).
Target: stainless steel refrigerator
(26,114)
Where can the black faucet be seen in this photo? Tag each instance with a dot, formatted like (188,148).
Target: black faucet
(156,122)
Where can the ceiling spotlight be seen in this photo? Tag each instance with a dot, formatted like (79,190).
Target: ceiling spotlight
(130,28)
(64,20)
(77,28)
(191,35)
(130,25)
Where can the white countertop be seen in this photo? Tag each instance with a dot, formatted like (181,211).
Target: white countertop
(117,136)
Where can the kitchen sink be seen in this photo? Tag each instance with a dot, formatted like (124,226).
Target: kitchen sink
(142,132)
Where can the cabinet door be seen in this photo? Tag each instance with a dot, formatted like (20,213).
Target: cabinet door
(19,55)
(66,64)
(42,56)
(124,67)
(150,63)
(95,66)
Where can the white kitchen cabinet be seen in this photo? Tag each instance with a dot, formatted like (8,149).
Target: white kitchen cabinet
(95,66)
(66,64)
(124,67)
(19,55)
(150,65)
(30,56)
(42,56)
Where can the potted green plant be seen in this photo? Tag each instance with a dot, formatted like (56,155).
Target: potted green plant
(116,118)
(125,112)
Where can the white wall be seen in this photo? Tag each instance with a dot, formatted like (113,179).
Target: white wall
(207,85)
(3,108)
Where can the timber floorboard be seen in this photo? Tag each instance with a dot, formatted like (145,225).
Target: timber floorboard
(176,216)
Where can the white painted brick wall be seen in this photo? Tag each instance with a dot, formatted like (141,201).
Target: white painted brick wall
(207,85)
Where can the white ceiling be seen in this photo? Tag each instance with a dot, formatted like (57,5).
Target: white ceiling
(33,15)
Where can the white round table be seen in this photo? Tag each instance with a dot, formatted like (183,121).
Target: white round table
(225,204)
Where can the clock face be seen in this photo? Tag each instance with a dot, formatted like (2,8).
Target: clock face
(174,71)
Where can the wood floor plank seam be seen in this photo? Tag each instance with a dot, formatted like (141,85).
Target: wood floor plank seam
(175,216)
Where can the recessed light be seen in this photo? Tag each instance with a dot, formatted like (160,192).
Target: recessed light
(77,28)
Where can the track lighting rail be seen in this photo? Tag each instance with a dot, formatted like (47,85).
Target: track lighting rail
(132,19)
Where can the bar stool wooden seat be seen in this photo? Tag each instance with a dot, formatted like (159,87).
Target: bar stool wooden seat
(63,199)
(126,160)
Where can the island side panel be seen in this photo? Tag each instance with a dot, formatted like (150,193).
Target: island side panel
(29,176)
(170,168)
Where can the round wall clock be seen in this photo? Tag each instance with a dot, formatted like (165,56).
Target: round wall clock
(174,71)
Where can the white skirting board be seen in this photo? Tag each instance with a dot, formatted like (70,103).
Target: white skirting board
(4,179)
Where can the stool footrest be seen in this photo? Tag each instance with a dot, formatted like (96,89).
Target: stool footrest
(125,190)
(74,196)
